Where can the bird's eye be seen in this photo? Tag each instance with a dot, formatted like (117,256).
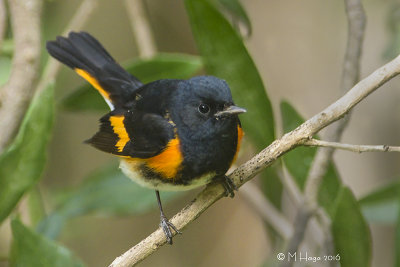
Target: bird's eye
(204,108)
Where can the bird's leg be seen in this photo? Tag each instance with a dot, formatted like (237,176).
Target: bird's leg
(164,223)
(228,185)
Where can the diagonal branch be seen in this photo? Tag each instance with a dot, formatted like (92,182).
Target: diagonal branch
(266,157)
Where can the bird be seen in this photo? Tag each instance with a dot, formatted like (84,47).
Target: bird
(170,134)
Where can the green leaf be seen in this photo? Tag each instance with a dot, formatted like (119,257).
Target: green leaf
(7,48)
(226,57)
(32,249)
(350,231)
(329,188)
(165,66)
(235,8)
(5,69)
(162,66)
(107,191)
(397,237)
(35,206)
(382,205)
(299,160)
(393,28)
(271,185)
(22,163)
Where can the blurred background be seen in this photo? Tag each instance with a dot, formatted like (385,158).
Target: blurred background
(298,48)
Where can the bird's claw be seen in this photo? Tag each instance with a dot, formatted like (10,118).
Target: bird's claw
(167,226)
(229,186)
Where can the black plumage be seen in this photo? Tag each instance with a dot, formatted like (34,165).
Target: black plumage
(170,134)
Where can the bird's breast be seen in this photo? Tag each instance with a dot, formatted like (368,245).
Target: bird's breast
(139,171)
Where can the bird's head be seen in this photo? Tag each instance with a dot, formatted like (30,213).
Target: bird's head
(205,106)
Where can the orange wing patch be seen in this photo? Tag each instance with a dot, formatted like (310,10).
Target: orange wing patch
(117,122)
(84,74)
(167,163)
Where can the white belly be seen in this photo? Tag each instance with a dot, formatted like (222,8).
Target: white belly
(132,170)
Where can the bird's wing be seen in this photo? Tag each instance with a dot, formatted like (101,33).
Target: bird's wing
(133,134)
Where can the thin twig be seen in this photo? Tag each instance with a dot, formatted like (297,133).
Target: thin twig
(266,210)
(301,222)
(292,189)
(141,28)
(266,157)
(17,92)
(78,20)
(351,72)
(3,22)
(352,148)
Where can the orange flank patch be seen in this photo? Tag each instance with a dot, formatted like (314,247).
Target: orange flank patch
(167,163)
(117,122)
(240,136)
(85,75)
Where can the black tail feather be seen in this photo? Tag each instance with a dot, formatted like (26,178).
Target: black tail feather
(82,51)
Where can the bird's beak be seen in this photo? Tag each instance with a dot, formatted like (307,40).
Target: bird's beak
(231,110)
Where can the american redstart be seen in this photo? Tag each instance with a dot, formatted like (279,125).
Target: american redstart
(169,134)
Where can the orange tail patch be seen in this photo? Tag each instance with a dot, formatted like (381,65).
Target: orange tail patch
(84,74)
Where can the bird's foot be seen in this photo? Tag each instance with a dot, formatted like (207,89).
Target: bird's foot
(228,185)
(168,228)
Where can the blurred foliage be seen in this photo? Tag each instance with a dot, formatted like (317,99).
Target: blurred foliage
(329,188)
(32,249)
(298,161)
(107,192)
(238,14)
(161,66)
(22,163)
(397,237)
(382,205)
(350,231)
(5,69)
(7,48)
(35,206)
(393,25)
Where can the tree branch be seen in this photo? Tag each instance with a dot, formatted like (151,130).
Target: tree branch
(266,210)
(141,28)
(17,92)
(352,148)
(266,157)
(351,72)
(3,22)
